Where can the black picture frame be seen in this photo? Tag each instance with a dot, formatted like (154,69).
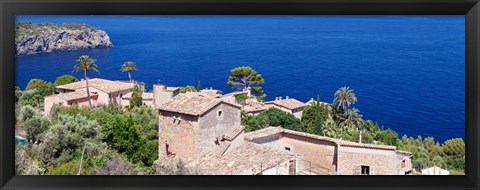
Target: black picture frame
(469,8)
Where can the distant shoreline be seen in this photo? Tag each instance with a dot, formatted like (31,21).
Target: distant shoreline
(32,38)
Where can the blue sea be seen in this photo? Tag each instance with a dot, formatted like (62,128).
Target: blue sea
(408,72)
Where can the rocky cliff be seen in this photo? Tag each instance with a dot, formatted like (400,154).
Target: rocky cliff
(44,37)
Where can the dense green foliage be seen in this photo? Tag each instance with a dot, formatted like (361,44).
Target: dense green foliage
(137,99)
(188,88)
(117,141)
(33,122)
(272,117)
(75,140)
(64,79)
(241,98)
(132,132)
(246,77)
(18,93)
(314,118)
(454,147)
(427,153)
(43,88)
(29,28)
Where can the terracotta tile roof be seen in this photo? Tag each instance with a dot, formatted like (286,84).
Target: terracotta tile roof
(104,85)
(268,131)
(254,107)
(404,152)
(212,93)
(236,93)
(75,95)
(234,132)
(145,96)
(191,103)
(289,103)
(247,159)
(265,132)
(171,89)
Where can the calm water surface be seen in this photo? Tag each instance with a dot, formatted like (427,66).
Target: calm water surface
(407,71)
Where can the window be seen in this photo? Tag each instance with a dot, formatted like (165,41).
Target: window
(166,148)
(365,170)
(220,114)
(287,148)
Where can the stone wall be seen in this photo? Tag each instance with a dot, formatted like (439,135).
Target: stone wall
(404,163)
(270,140)
(381,162)
(214,125)
(179,134)
(316,153)
(161,95)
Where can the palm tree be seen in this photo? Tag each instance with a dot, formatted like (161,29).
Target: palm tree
(353,118)
(129,66)
(345,97)
(86,64)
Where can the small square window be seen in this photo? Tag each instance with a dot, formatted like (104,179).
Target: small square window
(287,148)
(219,113)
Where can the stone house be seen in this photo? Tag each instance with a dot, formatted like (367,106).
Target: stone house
(103,91)
(194,124)
(324,155)
(204,130)
(67,99)
(212,92)
(289,105)
(255,108)
(163,93)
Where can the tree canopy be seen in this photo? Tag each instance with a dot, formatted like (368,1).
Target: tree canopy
(188,88)
(275,118)
(128,67)
(245,77)
(65,79)
(43,88)
(345,97)
(137,99)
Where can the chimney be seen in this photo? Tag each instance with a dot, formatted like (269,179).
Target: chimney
(311,99)
(286,98)
(280,98)
(211,88)
(276,98)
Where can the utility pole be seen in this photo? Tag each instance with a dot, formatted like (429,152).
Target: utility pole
(81,160)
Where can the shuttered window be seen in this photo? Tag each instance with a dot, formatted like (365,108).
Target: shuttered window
(363,170)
